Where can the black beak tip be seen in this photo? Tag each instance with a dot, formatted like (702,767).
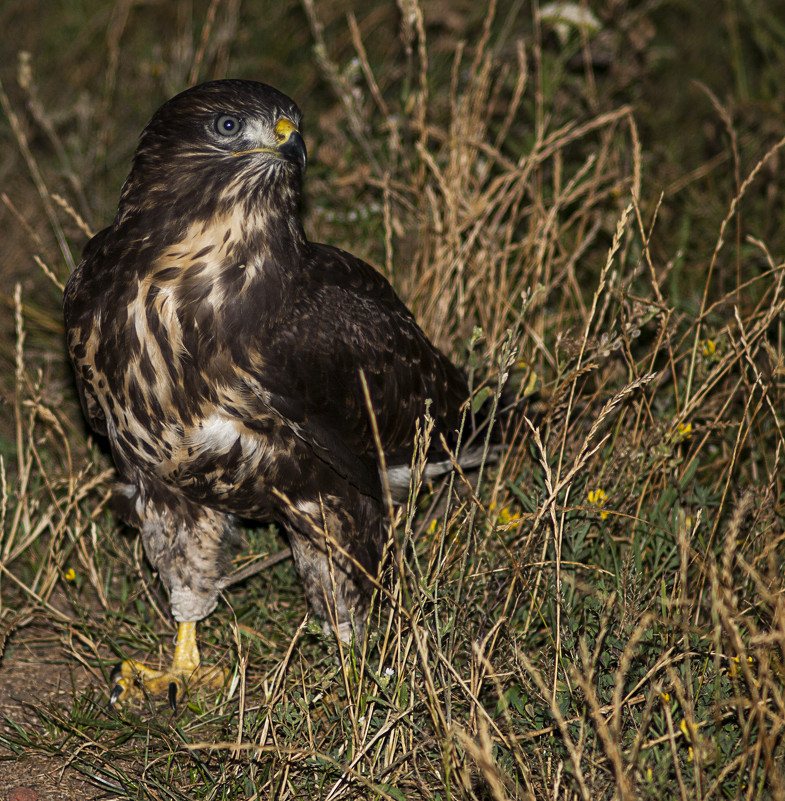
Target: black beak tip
(294,149)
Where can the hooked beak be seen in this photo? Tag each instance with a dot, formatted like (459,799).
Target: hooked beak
(293,147)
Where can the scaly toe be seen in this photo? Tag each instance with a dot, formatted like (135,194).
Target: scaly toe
(132,681)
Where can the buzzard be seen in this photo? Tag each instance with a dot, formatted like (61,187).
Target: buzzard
(240,371)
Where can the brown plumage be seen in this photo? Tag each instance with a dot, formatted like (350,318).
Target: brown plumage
(220,352)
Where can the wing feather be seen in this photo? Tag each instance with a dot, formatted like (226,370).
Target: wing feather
(344,319)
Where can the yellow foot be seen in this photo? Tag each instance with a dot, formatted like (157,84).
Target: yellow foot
(131,680)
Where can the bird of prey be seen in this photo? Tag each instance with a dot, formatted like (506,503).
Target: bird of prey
(239,370)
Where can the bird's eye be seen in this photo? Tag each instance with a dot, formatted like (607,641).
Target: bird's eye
(228,125)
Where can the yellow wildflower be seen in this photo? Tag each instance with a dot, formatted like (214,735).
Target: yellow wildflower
(684,431)
(733,665)
(505,517)
(597,498)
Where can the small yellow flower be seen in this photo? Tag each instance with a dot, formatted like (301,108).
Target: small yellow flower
(708,347)
(665,697)
(505,517)
(529,382)
(690,754)
(733,667)
(70,574)
(685,729)
(597,498)
(684,431)
(432,526)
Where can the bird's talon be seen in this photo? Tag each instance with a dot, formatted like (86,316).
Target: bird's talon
(133,681)
(117,691)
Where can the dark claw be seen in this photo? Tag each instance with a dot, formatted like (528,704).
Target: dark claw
(117,691)
(173,696)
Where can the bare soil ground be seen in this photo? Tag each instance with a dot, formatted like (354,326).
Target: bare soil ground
(33,675)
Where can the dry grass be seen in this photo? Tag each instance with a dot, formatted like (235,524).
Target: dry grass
(602,615)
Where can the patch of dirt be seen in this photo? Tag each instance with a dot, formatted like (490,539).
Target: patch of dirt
(33,674)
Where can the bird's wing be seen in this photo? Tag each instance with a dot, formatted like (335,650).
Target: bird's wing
(345,321)
(78,315)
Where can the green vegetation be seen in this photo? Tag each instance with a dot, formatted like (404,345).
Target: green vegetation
(595,214)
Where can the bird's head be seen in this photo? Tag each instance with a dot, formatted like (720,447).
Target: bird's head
(218,144)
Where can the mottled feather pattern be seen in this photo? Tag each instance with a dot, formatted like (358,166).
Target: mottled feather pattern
(221,352)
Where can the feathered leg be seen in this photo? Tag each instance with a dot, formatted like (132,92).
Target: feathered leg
(337,543)
(184,542)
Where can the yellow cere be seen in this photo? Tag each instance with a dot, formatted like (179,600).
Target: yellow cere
(283,129)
